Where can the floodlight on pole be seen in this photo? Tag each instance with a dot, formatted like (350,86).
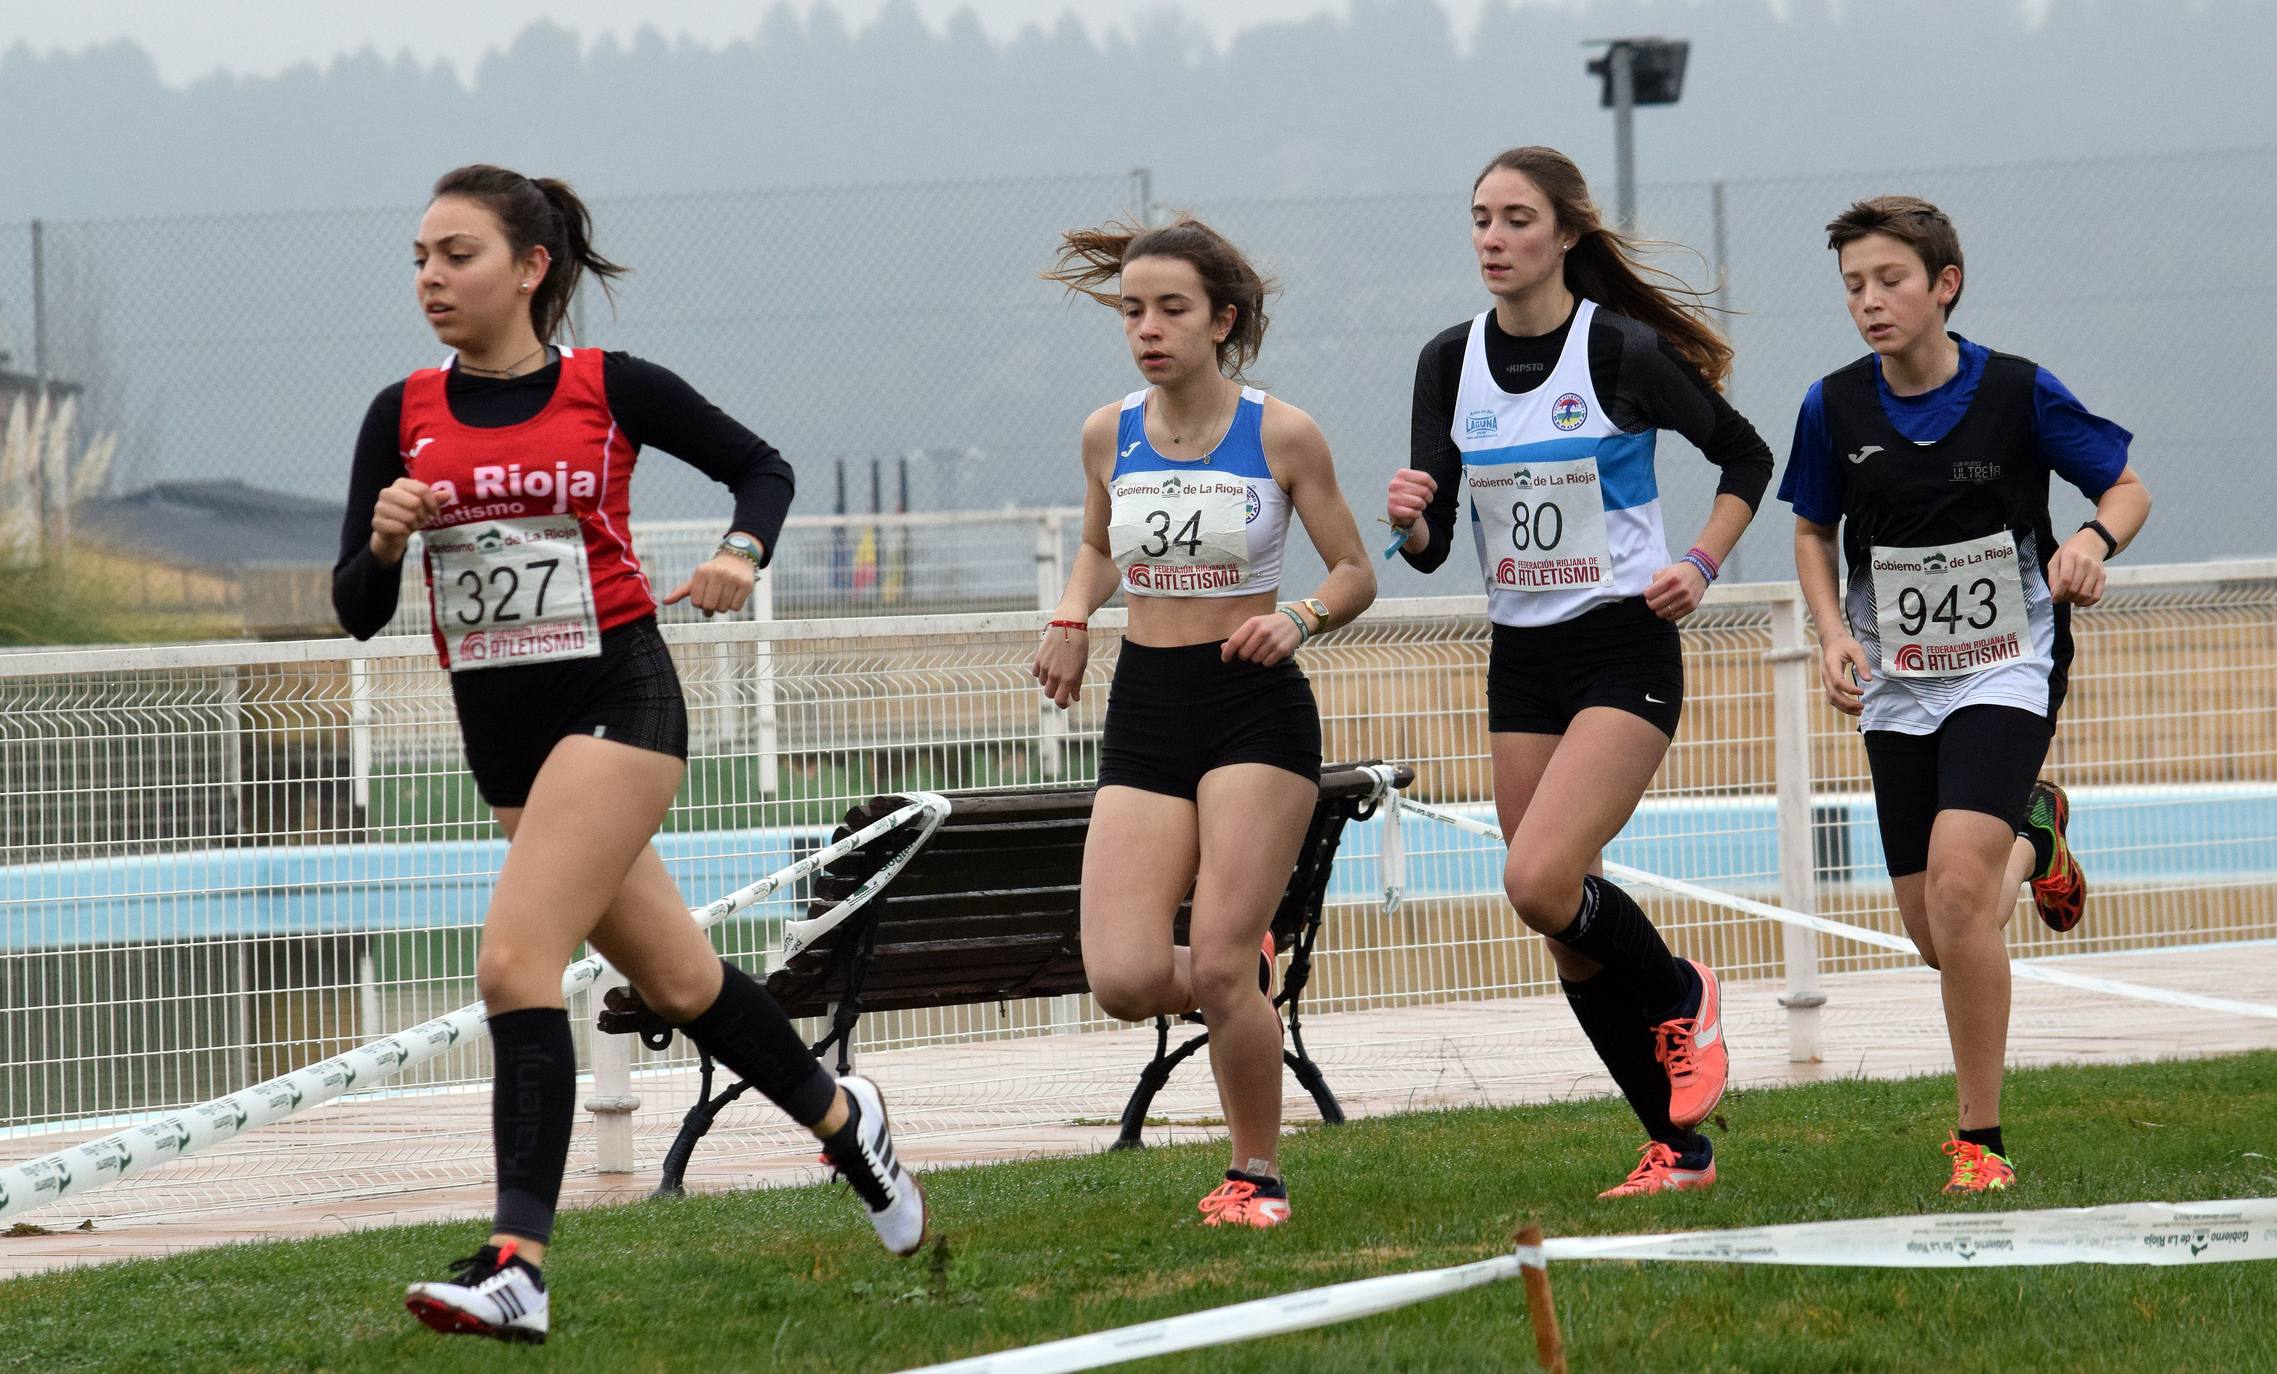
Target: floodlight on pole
(1634,71)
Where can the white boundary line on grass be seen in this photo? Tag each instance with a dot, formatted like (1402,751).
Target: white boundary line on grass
(103,1161)
(2022,968)
(2132,1233)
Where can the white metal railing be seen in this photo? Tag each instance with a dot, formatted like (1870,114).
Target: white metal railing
(923,562)
(219,862)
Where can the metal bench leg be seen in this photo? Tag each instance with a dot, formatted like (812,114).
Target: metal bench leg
(1151,1078)
(693,1126)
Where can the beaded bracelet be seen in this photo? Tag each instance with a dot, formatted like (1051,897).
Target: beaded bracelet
(1699,558)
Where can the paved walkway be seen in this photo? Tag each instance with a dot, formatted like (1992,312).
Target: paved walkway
(418,1159)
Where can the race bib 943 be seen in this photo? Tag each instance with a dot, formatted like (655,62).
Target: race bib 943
(513,591)
(1947,610)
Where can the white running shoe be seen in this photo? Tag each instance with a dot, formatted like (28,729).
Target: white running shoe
(896,1203)
(485,1296)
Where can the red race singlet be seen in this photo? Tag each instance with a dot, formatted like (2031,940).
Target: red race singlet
(568,462)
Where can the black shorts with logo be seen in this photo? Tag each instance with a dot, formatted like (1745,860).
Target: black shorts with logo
(1981,758)
(1539,677)
(511,718)
(1174,714)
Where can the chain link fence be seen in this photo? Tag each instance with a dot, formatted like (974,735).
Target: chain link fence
(873,331)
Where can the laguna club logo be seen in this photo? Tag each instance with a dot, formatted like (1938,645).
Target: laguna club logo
(1569,412)
(1478,422)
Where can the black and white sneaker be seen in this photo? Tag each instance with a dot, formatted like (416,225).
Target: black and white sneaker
(489,1293)
(862,1153)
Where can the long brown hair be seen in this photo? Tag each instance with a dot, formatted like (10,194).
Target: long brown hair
(1603,265)
(537,212)
(1091,258)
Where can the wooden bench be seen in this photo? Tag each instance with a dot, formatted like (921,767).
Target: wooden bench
(985,912)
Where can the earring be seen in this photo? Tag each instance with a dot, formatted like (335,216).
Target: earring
(525,286)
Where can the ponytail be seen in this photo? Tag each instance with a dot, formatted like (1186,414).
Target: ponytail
(1604,265)
(538,213)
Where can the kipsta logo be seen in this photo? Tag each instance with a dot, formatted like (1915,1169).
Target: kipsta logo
(1252,507)
(1910,658)
(1569,411)
(1933,561)
(1478,422)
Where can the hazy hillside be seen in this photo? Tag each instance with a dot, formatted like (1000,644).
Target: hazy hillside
(1382,102)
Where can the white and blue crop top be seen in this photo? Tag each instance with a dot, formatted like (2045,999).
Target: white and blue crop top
(1208,526)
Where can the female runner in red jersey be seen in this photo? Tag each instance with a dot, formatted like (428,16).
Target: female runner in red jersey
(512,461)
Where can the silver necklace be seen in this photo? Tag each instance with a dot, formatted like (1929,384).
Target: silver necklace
(511,369)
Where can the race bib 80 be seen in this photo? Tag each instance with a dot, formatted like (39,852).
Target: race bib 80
(513,591)
(1172,533)
(1544,524)
(1947,610)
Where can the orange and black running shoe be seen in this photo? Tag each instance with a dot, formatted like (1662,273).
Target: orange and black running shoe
(1977,1169)
(2059,891)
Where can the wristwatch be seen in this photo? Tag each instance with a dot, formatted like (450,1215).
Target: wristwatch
(1319,611)
(742,546)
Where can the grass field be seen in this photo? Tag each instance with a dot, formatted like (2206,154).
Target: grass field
(791,1280)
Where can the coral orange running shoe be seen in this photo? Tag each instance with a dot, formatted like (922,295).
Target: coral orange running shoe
(1662,1170)
(1977,1169)
(1246,1200)
(1691,1049)
(2059,892)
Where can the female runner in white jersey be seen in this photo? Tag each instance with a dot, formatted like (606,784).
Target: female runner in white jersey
(1549,403)
(513,458)
(1209,766)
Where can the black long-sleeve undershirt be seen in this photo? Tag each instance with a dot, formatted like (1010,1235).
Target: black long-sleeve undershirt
(1641,378)
(653,408)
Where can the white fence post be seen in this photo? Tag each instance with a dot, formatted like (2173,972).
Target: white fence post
(1794,675)
(769,741)
(613,1102)
(1051,579)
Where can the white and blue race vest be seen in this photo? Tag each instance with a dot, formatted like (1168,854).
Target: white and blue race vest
(1208,526)
(1564,506)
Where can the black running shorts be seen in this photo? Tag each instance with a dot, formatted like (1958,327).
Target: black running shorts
(1539,677)
(1175,714)
(1983,758)
(511,718)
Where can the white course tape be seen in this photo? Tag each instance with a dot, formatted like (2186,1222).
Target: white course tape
(2022,968)
(1243,1321)
(101,1162)
(2123,1233)
(2152,1233)
(798,935)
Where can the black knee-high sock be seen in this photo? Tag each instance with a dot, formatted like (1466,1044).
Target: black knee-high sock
(533,1099)
(1613,930)
(1613,1017)
(746,1030)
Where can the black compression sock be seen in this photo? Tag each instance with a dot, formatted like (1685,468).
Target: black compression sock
(1613,930)
(1613,1017)
(1988,1137)
(533,1099)
(745,1029)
